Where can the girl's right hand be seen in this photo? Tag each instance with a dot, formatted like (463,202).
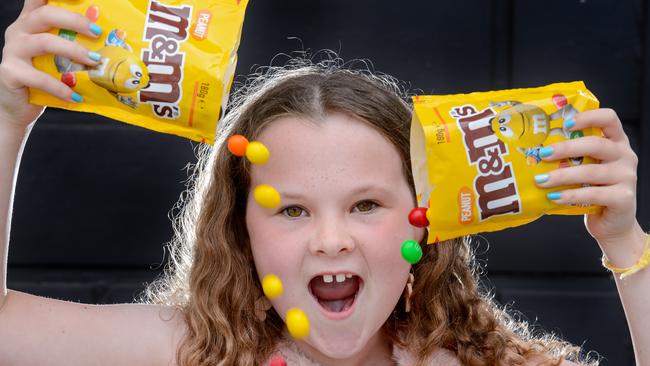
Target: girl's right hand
(26,38)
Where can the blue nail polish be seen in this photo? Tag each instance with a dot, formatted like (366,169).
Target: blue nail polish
(94,56)
(569,123)
(97,30)
(77,97)
(554,196)
(546,151)
(541,178)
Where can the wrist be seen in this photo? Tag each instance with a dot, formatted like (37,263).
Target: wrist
(625,251)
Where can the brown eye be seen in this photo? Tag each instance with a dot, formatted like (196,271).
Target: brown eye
(293,211)
(365,206)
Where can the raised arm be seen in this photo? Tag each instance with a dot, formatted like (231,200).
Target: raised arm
(611,184)
(35,330)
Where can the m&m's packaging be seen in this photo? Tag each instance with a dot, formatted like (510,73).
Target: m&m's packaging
(474,156)
(165,65)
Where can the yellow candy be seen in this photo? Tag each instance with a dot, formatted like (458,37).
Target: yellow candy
(297,323)
(257,153)
(266,196)
(272,286)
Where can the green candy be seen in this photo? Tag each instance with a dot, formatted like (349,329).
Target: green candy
(411,251)
(67,34)
(576,134)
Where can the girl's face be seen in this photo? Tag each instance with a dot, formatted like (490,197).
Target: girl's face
(335,239)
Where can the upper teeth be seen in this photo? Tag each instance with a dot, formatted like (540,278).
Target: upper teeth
(340,277)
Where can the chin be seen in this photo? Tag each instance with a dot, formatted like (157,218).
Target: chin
(339,345)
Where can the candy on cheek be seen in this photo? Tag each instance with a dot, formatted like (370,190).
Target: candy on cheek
(411,251)
(297,323)
(418,217)
(272,286)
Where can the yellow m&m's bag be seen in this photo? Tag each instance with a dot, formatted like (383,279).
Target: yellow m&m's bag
(166,65)
(474,156)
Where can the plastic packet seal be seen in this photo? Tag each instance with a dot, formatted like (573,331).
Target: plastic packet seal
(165,65)
(474,156)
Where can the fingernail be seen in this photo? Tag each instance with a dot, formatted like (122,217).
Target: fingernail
(94,56)
(546,151)
(569,123)
(541,178)
(77,97)
(97,30)
(554,196)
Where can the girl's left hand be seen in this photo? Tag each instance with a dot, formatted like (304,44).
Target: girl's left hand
(613,181)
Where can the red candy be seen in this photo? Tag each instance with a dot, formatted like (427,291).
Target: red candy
(418,217)
(69,79)
(237,145)
(278,361)
(559,100)
(92,13)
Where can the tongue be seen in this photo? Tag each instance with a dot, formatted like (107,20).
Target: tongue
(334,291)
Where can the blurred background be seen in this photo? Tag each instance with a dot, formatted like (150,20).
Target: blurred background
(93,198)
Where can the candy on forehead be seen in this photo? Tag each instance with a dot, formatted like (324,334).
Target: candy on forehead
(237,145)
(297,323)
(272,286)
(257,153)
(266,196)
(411,251)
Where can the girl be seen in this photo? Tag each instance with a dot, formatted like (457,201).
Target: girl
(339,145)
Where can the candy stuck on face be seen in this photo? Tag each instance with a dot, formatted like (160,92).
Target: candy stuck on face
(237,145)
(272,286)
(297,323)
(257,153)
(418,217)
(266,196)
(411,251)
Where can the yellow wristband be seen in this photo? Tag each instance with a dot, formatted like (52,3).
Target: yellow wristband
(641,264)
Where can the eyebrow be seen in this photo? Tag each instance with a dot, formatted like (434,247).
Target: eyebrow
(355,192)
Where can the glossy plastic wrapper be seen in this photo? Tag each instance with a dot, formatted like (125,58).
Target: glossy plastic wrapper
(474,156)
(165,65)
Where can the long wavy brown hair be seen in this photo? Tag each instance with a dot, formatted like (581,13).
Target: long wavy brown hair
(211,276)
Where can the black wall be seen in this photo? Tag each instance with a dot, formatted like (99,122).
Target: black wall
(93,195)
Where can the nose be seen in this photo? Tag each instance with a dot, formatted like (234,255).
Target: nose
(331,238)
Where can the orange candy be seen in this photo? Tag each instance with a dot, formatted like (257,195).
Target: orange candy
(237,145)
(92,13)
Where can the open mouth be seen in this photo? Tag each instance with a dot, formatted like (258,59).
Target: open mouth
(336,293)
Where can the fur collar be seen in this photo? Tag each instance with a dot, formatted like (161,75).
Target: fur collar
(294,356)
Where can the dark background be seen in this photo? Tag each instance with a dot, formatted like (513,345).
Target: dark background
(93,197)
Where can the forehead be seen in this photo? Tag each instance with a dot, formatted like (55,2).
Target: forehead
(337,148)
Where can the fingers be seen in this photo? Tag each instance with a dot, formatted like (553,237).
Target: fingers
(594,174)
(47,43)
(32,78)
(30,5)
(605,118)
(47,17)
(601,196)
(594,146)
